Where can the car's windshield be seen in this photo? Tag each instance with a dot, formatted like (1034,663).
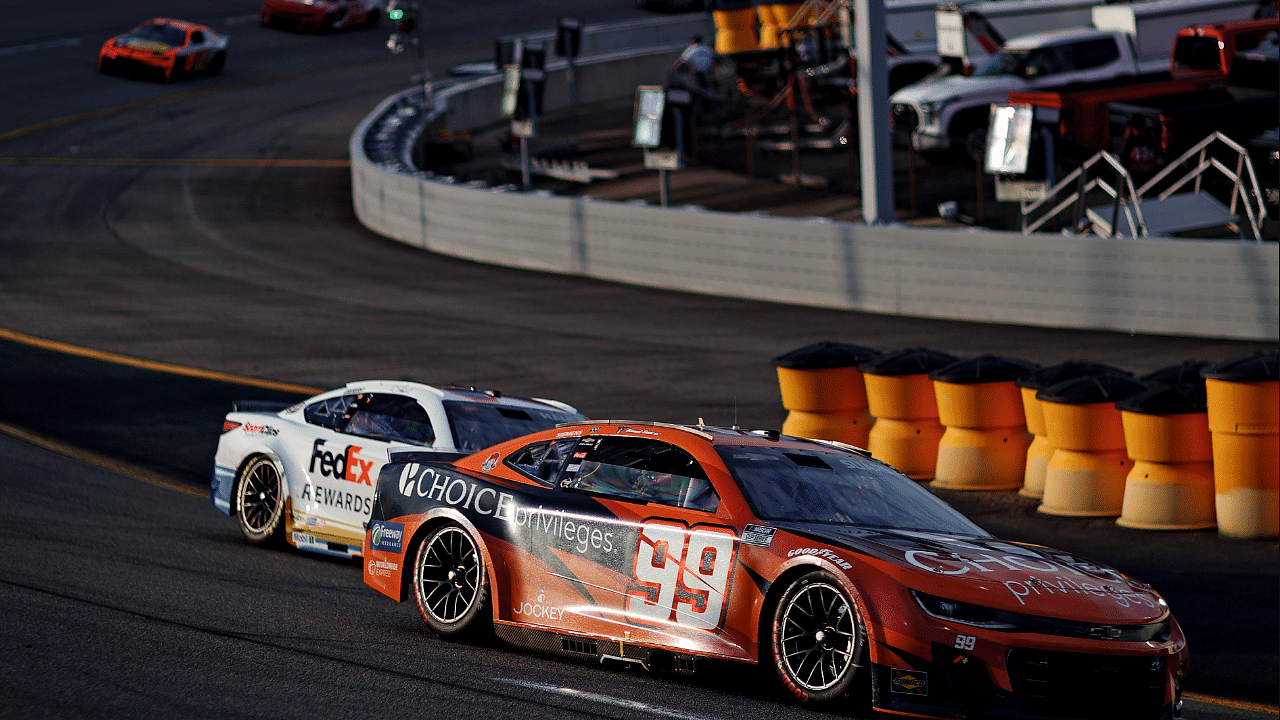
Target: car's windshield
(478,425)
(1009,62)
(166,34)
(837,487)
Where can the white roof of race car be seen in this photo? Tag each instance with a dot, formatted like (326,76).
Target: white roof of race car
(421,391)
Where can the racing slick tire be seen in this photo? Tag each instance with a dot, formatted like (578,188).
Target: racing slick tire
(451,584)
(260,497)
(219,59)
(817,639)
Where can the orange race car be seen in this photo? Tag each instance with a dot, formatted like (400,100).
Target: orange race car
(661,545)
(171,48)
(320,15)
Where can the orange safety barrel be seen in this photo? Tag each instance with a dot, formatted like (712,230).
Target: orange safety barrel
(773,19)
(1086,475)
(735,27)
(1243,397)
(984,445)
(823,390)
(900,397)
(1166,433)
(1041,449)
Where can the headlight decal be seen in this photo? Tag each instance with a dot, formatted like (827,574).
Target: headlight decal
(1006,621)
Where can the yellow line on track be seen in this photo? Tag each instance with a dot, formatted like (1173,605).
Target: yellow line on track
(177,162)
(88,457)
(1234,704)
(104,356)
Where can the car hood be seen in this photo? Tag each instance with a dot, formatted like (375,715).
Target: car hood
(956,86)
(1011,576)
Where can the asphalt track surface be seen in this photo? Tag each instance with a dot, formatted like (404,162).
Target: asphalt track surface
(208,224)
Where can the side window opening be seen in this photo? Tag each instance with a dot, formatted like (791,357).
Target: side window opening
(391,418)
(542,461)
(332,413)
(1095,53)
(640,470)
(1051,60)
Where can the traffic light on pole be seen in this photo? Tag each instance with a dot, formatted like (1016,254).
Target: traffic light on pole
(403,14)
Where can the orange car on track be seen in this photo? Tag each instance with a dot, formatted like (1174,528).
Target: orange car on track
(662,545)
(170,48)
(320,15)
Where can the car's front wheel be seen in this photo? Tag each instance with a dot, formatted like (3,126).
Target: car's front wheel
(817,639)
(450,583)
(260,501)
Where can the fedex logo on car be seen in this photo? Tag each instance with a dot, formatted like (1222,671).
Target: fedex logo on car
(346,465)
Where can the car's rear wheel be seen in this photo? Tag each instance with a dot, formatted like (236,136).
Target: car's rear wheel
(817,639)
(450,583)
(260,501)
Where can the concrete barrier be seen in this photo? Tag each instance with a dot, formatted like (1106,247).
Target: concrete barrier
(1210,288)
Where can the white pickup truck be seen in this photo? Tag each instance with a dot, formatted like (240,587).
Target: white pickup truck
(951,112)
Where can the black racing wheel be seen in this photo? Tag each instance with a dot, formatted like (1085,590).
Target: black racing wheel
(260,501)
(817,639)
(450,583)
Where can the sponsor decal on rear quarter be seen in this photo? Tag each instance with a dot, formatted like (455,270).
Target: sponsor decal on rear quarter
(386,536)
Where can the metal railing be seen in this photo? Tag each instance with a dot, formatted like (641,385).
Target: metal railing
(1077,185)
(1244,188)
(1072,192)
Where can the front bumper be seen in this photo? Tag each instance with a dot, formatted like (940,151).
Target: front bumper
(924,138)
(1046,684)
(136,63)
(933,667)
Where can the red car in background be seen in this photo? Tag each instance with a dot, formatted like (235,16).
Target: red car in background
(663,545)
(320,15)
(170,48)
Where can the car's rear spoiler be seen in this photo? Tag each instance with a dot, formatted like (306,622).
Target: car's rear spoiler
(258,406)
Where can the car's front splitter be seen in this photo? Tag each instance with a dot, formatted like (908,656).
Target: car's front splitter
(1047,685)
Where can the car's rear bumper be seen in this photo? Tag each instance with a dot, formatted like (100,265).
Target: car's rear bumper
(220,488)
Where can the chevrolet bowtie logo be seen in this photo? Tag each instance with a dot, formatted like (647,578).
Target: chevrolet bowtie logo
(1104,632)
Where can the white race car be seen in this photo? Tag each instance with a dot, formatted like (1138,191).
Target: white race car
(306,473)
